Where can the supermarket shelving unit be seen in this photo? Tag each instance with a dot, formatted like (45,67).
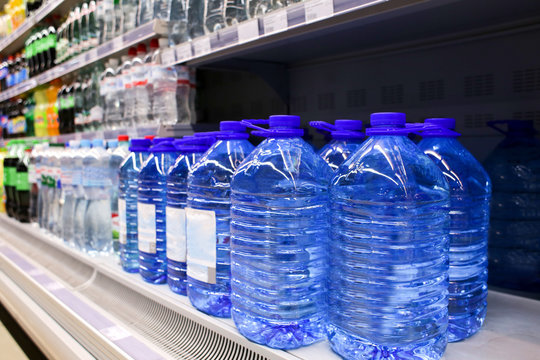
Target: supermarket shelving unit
(309,55)
(115,315)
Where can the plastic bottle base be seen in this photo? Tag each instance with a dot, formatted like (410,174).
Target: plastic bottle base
(353,347)
(210,302)
(460,328)
(282,334)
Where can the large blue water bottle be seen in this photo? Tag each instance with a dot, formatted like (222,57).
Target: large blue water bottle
(208,220)
(280,233)
(388,279)
(470,193)
(152,198)
(346,139)
(127,203)
(514,237)
(191,150)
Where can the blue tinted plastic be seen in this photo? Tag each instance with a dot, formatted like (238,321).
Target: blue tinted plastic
(177,198)
(152,191)
(339,150)
(470,193)
(388,281)
(280,235)
(514,238)
(128,188)
(209,189)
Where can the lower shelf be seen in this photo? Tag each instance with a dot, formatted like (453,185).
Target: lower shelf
(115,315)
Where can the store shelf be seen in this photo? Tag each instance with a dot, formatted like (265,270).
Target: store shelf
(115,46)
(15,41)
(111,312)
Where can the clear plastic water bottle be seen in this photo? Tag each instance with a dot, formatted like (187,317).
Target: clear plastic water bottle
(191,149)
(68,193)
(97,188)
(81,201)
(346,139)
(152,200)
(108,93)
(108,19)
(178,22)
(514,237)
(127,203)
(208,218)
(164,108)
(126,80)
(470,193)
(118,154)
(214,15)
(118,18)
(55,191)
(146,11)
(236,11)
(280,233)
(42,174)
(183,90)
(388,279)
(129,7)
(196,11)
(139,78)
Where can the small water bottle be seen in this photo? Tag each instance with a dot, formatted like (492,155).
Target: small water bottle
(127,203)
(68,193)
(346,139)
(280,231)
(97,188)
(208,220)
(80,198)
(191,150)
(388,280)
(152,198)
(470,193)
(118,154)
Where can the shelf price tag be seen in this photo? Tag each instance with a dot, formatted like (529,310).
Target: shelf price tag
(201,46)
(275,21)
(318,9)
(184,52)
(91,55)
(118,43)
(248,30)
(168,56)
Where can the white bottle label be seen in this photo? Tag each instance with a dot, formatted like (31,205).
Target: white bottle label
(176,234)
(146,216)
(201,245)
(123,221)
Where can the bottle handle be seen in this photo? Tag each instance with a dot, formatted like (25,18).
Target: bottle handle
(322,125)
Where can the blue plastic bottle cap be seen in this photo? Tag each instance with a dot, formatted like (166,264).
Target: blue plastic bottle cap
(112,143)
(85,143)
(235,126)
(97,143)
(139,145)
(447,123)
(158,140)
(163,146)
(288,121)
(387,118)
(346,124)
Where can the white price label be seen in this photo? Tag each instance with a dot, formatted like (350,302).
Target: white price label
(184,52)
(118,43)
(176,234)
(248,30)
(146,215)
(201,245)
(318,9)
(168,56)
(115,333)
(201,46)
(123,221)
(91,55)
(275,21)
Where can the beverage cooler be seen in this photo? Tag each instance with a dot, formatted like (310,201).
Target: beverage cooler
(268,179)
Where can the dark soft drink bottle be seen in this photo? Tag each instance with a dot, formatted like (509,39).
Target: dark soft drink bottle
(51,46)
(22,188)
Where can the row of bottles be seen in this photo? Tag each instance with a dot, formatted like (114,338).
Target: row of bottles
(15,13)
(40,50)
(13,71)
(298,246)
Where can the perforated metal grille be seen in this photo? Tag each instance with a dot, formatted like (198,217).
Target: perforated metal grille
(431,90)
(176,334)
(392,94)
(477,120)
(525,81)
(479,85)
(356,98)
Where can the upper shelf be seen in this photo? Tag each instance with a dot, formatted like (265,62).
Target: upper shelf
(15,41)
(116,45)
